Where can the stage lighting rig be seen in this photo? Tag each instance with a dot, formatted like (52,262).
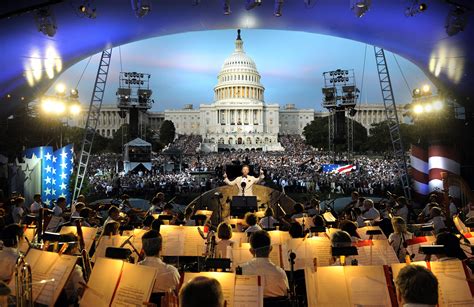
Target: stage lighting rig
(86,9)
(415,8)
(134,91)
(251,4)
(226,7)
(456,21)
(360,7)
(277,9)
(141,7)
(46,22)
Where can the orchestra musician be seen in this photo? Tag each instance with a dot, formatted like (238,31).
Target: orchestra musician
(167,277)
(224,234)
(37,205)
(9,251)
(245,182)
(274,279)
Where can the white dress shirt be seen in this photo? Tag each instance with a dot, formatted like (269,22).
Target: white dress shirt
(167,277)
(57,211)
(274,280)
(35,207)
(253,228)
(403,213)
(8,257)
(17,214)
(372,214)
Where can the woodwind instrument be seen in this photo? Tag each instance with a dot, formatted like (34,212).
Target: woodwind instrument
(86,261)
(23,283)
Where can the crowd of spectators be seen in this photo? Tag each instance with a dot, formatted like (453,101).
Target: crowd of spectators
(297,169)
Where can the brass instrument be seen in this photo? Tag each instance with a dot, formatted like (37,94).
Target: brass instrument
(23,283)
(86,265)
(86,261)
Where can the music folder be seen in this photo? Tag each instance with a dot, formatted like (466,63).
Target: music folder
(118,283)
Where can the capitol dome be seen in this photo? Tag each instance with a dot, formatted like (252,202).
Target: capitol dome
(239,79)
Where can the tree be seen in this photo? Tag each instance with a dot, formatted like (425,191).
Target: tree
(167,132)
(317,135)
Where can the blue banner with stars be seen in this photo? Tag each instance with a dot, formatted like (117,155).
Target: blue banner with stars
(56,171)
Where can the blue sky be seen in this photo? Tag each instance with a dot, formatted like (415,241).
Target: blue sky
(184,67)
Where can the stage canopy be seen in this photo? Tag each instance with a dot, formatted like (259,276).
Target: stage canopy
(447,60)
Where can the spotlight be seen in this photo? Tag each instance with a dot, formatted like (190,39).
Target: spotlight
(75,109)
(251,4)
(416,93)
(418,109)
(74,93)
(426,89)
(86,10)
(226,7)
(437,105)
(360,7)
(456,21)
(45,22)
(428,108)
(415,8)
(60,89)
(47,105)
(277,8)
(141,7)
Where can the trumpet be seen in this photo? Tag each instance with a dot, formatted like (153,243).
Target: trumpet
(86,265)
(23,283)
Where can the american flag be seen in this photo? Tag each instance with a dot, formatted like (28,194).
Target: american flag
(56,171)
(337,168)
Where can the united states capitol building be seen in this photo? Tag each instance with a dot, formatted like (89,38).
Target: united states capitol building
(238,118)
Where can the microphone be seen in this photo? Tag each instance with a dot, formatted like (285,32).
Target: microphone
(243,184)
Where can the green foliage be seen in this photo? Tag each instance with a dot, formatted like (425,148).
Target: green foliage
(317,135)
(167,132)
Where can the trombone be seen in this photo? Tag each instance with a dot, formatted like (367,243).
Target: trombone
(86,264)
(23,283)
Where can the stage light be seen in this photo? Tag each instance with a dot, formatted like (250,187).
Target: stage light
(74,93)
(426,89)
(46,22)
(428,108)
(277,10)
(141,7)
(251,4)
(416,92)
(422,7)
(86,10)
(418,109)
(437,105)
(75,109)
(47,105)
(352,112)
(9,96)
(456,21)
(226,7)
(360,7)
(60,89)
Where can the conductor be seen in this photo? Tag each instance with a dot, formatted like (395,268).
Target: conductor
(245,182)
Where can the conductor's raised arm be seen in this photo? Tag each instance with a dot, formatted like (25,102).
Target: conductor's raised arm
(227,181)
(261,176)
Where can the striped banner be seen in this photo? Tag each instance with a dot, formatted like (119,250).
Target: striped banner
(419,171)
(443,159)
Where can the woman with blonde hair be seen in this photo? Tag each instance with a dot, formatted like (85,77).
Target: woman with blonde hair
(398,239)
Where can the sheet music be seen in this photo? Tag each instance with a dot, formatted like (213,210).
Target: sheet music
(379,253)
(102,283)
(248,291)
(367,286)
(453,286)
(227,281)
(182,241)
(306,249)
(47,293)
(54,223)
(89,234)
(239,237)
(107,241)
(327,287)
(279,237)
(135,286)
(241,254)
(414,248)
(306,221)
(329,217)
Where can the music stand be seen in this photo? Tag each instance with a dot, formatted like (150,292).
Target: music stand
(243,204)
